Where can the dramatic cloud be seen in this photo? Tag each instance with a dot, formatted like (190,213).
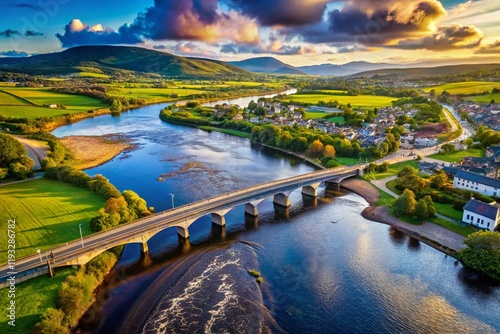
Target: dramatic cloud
(281,12)
(270,49)
(13,53)
(455,36)
(27,5)
(193,20)
(78,33)
(9,33)
(373,22)
(186,49)
(493,48)
(30,33)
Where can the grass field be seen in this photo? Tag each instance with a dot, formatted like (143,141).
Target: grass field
(458,155)
(393,170)
(466,87)
(32,299)
(227,131)
(457,228)
(151,95)
(337,119)
(347,161)
(20,107)
(43,96)
(332,91)
(360,101)
(485,98)
(315,114)
(47,214)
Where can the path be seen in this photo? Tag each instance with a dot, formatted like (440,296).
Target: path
(381,184)
(37,150)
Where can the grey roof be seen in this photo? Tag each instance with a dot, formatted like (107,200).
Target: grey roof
(495,183)
(481,208)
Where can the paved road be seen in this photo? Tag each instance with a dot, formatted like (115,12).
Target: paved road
(174,217)
(36,149)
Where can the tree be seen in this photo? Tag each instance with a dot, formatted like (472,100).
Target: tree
(11,150)
(252,105)
(116,105)
(104,221)
(425,208)
(404,204)
(316,149)
(448,148)
(51,323)
(439,180)
(329,151)
(413,182)
(407,170)
(482,252)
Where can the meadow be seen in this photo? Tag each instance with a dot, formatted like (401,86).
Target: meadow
(485,98)
(47,214)
(33,297)
(458,155)
(360,101)
(466,87)
(28,102)
(154,95)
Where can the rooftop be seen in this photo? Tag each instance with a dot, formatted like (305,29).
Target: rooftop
(495,183)
(481,208)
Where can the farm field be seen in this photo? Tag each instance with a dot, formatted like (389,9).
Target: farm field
(486,98)
(360,101)
(466,87)
(47,214)
(43,96)
(337,119)
(151,95)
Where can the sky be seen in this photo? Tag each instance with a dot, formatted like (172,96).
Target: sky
(298,32)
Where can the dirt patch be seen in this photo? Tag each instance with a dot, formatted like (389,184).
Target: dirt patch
(91,151)
(363,188)
(433,130)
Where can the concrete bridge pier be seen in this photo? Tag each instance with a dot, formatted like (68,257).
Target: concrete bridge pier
(144,247)
(309,201)
(183,232)
(218,217)
(332,185)
(184,245)
(218,231)
(282,199)
(311,190)
(251,207)
(281,212)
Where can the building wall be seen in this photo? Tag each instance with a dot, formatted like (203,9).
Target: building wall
(479,221)
(474,186)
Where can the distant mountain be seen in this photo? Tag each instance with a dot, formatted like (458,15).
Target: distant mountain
(423,72)
(345,69)
(266,65)
(115,60)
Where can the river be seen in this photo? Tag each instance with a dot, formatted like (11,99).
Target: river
(325,268)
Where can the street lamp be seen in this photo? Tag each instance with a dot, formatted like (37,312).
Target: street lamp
(39,254)
(172,195)
(81,235)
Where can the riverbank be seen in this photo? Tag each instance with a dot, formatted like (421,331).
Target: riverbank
(92,151)
(431,234)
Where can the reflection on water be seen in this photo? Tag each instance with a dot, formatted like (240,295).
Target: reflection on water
(325,268)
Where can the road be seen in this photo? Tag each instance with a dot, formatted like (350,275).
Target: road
(174,217)
(468,130)
(37,150)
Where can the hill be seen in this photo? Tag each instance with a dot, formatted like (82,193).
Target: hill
(266,65)
(345,69)
(115,60)
(423,72)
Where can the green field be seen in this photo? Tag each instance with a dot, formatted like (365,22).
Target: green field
(347,161)
(457,228)
(466,88)
(393,170)
(337,119)
(332,91)
(485,98)
(315,114)
(32,299)
(360,101)
(47,214)
(28,103)
(458,155)
(152,95)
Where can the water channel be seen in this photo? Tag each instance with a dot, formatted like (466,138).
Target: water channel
(325,268)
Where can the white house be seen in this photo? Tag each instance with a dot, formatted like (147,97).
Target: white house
(482,184)
(481,214)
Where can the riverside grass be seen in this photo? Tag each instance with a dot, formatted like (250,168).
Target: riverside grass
(47,214)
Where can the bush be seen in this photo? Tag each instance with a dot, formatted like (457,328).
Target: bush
(459,204)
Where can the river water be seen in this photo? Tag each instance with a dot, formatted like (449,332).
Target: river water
(325,268)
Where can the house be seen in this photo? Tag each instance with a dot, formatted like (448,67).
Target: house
(53,105)
(429,167)
(481,215)
(478,183)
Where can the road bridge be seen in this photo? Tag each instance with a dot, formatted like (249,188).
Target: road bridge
(140,231)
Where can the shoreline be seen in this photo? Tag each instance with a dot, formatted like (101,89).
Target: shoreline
(436,236)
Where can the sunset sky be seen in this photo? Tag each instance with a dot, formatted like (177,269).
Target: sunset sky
(299,32)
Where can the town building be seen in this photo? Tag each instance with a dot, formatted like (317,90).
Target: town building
(481,214)
(478,183)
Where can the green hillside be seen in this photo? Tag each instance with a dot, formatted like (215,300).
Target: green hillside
(114,60)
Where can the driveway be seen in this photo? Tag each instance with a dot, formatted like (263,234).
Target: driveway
(37,150)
